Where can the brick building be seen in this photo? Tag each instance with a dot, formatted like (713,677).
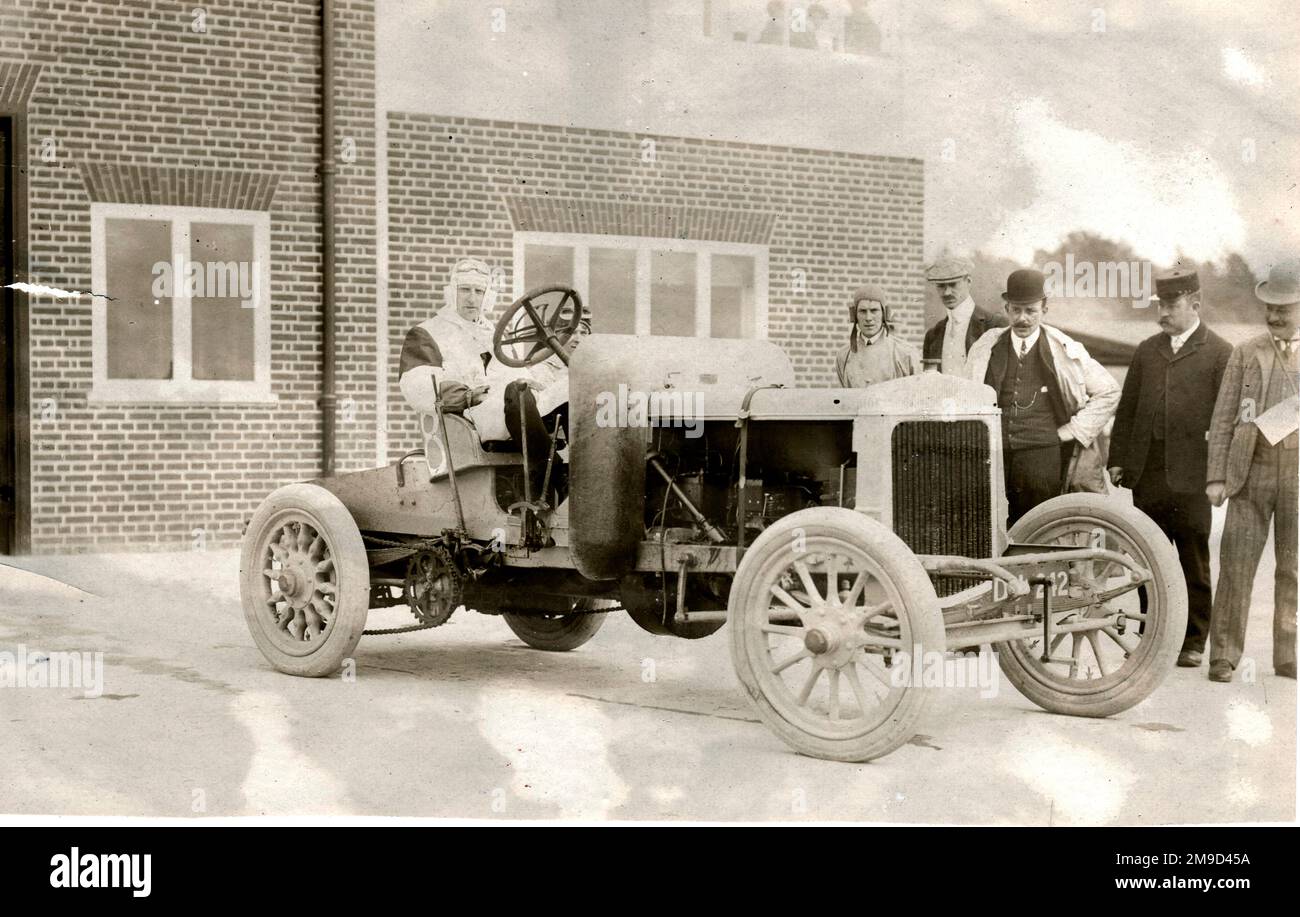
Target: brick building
(138,133)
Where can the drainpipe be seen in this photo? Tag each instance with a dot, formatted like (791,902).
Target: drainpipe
(328,399)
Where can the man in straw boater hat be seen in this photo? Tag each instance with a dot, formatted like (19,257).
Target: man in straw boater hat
(1056,400)
(950,339)
(874,353)
(1253,465)
(1159,445)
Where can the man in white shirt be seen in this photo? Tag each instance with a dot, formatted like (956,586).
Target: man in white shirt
(949,340)
(1056,400)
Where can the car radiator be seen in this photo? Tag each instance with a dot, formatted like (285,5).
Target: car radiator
(942,498)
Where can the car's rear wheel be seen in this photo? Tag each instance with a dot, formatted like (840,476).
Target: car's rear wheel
(304,580)
(1102,670)
(826,609)
(557,633)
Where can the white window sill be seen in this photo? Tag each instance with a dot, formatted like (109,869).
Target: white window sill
(159,392)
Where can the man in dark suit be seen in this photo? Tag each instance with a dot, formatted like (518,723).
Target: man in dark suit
(1159,445)
(1253,465)
(949,340)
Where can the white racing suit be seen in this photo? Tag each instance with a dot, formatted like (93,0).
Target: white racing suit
(459,354)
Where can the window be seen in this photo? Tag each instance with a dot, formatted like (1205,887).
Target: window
(637,285)
(187,316)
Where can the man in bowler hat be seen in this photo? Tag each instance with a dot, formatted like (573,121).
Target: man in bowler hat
(1253,465)
(1160,447)
(949,339)
(1056,400)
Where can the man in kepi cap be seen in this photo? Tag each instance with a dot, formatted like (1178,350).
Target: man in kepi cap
(1253,465)
(950,338)
(873,353)
(1159,445)
(1056,400)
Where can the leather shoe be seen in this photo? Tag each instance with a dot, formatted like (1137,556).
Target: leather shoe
(1286,671)
(1190,659)
(1220,671)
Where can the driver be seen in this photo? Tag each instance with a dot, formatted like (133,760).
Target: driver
(455,346)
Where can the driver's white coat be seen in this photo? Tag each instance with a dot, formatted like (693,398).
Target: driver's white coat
(461,346)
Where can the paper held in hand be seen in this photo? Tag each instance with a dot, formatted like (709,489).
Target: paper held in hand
(1279,421)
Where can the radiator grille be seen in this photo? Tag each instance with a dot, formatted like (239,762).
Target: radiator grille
(942,502)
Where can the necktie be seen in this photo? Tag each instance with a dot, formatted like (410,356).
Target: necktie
(1024,348)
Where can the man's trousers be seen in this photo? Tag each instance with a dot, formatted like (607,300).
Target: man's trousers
(1185,518)
(1270,493)
(1034,476)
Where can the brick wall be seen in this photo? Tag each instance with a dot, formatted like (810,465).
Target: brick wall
(133,84)
(461,186)
(123,90)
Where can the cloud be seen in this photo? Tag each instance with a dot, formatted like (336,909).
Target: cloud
(1159,202)
(1241,69)
(1148,134)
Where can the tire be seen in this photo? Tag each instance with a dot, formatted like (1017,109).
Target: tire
(824,539)
(556,633)
(1145,654)
(309,623)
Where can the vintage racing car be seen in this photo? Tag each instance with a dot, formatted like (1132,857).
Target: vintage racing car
(840,534)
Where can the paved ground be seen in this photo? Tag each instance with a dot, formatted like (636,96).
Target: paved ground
(466,721)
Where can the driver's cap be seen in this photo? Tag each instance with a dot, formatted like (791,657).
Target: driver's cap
(471,272)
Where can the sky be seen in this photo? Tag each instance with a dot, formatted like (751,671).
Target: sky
(1172,127)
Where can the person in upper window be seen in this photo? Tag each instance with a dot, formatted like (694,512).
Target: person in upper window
(774,31)
(874,353)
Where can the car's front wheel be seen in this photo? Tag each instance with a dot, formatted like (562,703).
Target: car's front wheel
(304,580)
(827,609)
(1099,670)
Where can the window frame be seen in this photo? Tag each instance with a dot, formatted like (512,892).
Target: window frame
(182,387)
(703,249)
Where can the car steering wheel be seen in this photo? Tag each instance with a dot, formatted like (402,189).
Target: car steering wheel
(537,318)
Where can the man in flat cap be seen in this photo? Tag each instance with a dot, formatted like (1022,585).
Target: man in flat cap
(874,353)
(949,339)
(1056,400)
(1159,446)
(1253,465)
